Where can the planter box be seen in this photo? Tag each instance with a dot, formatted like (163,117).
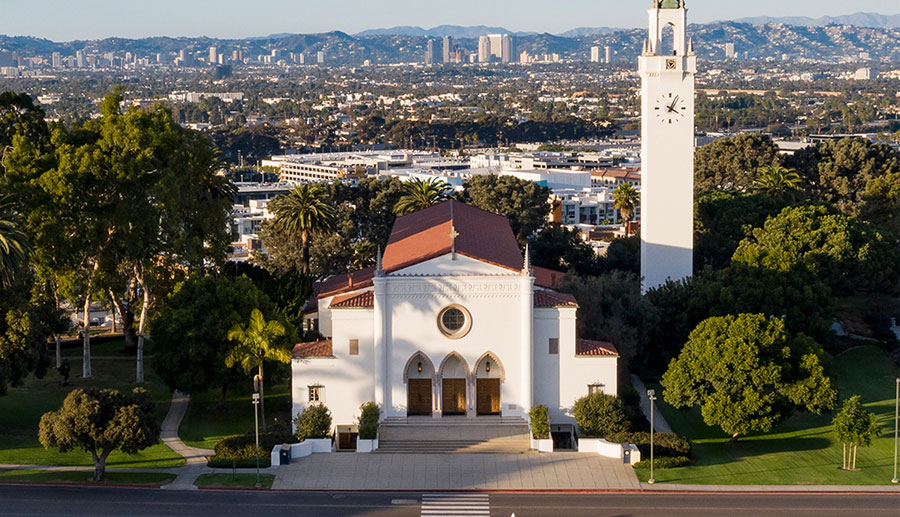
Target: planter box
(601,447)
(542,445)
(301,450)
(320,444)
(366,445)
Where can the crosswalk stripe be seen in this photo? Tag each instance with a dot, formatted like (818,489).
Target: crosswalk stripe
(455,505)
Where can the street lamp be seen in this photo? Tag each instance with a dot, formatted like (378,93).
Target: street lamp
(896,423)
(651,394)
(256,419)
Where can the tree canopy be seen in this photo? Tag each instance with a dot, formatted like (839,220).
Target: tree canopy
(524,203)
(732,163)
(746,375)
(100,421)
(419,194)
(854,425)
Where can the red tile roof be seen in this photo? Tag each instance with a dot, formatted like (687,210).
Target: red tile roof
(544,277)
(425,234)
(361,300)
(313,349)
(353,281)
(553,299)
(588,348)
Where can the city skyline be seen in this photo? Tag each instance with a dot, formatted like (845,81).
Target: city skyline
(97,19)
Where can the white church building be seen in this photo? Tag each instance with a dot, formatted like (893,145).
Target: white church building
(452,322)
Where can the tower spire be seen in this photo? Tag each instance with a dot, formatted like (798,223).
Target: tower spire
(379,269)
(526,265)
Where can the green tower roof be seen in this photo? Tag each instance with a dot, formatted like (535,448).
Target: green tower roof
(669,4)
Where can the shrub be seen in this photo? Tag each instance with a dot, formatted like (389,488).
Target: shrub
(665,444)
(540,422)
(242,449)
(265,461)
(599,415)
(314,423)
(369,415)
(666,462)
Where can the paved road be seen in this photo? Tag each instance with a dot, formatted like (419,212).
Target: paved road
(53,501)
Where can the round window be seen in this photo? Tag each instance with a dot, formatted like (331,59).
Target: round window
(454,321)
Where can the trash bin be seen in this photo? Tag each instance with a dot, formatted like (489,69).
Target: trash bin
(284,455)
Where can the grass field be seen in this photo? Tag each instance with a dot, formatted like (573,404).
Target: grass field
(207,422)
(150,479)
(21,410)
(234,481)
(800,451)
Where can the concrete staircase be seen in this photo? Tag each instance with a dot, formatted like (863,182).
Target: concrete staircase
(426,435)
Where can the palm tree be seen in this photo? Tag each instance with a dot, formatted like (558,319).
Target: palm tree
(625,198)
(419,194)
(255,345)
(14,246)
(304,211)
(363,254)
(777,181)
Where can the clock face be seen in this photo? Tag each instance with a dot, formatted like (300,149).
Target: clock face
(670,108)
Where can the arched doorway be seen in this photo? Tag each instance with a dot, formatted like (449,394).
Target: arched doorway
(489,373)
(419,378)
(453,374)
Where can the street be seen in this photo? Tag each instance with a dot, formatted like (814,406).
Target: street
(100,501)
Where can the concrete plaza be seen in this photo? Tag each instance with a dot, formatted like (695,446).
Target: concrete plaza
(531,471)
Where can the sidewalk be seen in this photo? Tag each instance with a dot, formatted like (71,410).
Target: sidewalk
(659,422)
(196,458)
(673,487)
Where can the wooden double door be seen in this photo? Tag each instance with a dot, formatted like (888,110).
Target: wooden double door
(453,396)
(487,396)
(418,397)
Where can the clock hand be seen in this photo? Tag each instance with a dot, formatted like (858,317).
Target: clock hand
(674,102)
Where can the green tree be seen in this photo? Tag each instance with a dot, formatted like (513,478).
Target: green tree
(838,170)
(777,181)
(561,249)
(525,204)
(190,332)
(599,415)
(257,342)
(419,194)
(731,163)
(722,219)
(625,199)
(840,250)
(305,213)
(854,426)
(14,246)
(101,421)
(880,203)
(746,375)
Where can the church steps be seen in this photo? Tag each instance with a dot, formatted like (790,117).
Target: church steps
(451,430)
(508,446)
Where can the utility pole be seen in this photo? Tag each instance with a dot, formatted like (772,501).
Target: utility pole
(256,420)
(651,394)
(896,424)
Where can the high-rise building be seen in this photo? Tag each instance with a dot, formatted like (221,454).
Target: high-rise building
(729,50)
(484,49)
(56,60)
(432,53)
(301,58)
(320,57)
(608,55)
(79,58)
(509,51)
(595,54)
(667,147)
(448,49)
(237,56)
(213,56)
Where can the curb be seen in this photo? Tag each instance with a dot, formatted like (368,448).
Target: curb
(79,484)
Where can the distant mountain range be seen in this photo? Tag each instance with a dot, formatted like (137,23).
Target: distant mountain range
(875,20)
(454,31)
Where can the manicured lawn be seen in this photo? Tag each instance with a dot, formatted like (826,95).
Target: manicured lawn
(234,481)
(111,348)
(207,422)
(152,479)
(21,410)
(802,450)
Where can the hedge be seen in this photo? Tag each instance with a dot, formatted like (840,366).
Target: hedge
(665,444)
(540,422)
(314,423)
(242,448)
(369,415)
(599,415)
(667,462)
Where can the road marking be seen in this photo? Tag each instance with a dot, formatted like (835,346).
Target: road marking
(453,505)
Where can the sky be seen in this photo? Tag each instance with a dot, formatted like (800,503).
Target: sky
(64,20)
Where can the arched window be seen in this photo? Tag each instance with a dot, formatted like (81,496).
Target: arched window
(667,40)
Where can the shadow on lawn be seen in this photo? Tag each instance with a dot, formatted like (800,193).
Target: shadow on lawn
(724,452)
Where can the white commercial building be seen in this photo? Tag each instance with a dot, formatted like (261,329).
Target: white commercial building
(452,322)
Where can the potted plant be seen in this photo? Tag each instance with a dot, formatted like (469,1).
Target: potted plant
(369,418)
(539,418)
(314,429)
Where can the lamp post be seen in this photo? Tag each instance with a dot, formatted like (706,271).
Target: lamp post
(651,394)
(896,424)
(256,419)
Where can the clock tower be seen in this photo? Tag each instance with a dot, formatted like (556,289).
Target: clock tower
(667,67)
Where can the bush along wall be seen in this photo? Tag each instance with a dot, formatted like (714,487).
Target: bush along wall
(665,444)
(540,422)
